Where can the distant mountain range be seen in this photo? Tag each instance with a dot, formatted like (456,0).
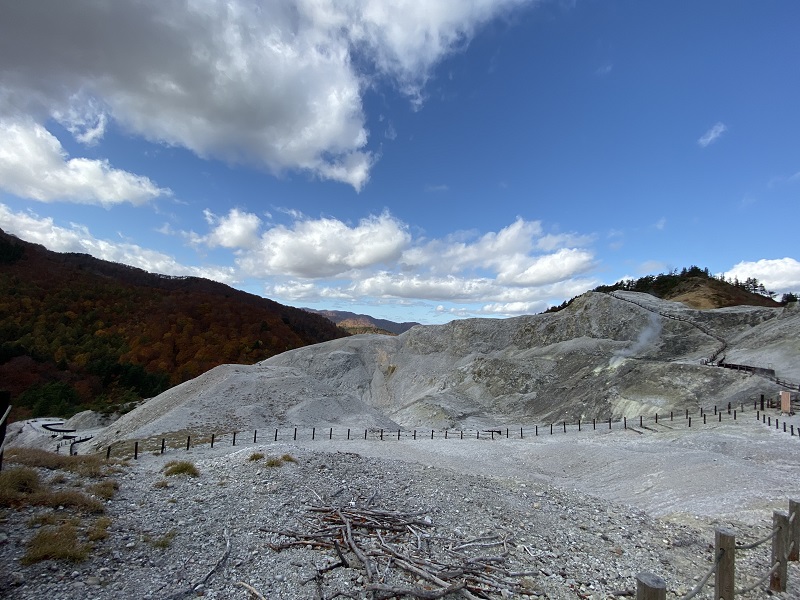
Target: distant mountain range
(354,323)
(76,331)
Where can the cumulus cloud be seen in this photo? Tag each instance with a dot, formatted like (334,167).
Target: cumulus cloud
(237,229)
(780,274)
(76,238)
(34,165)
(712,135)
(276,84)
(327,247)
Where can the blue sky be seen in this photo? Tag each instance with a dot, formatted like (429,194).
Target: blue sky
(414,160)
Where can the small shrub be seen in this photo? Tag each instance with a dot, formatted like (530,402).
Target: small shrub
(273,461)
(256,456)
(181,467)
(47,518)
(56,543)
(288,458)
(161,484)
(98,530)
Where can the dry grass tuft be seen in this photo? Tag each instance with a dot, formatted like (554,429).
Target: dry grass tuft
(288,458)
(73,499)
(256,456)
(104,489)
(18,485)
(161,484)
(86,466)
(181,467)
(274,461)
(98,530)
(56,543)
(163,542)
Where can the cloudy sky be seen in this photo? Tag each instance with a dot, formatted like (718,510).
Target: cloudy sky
(414,160)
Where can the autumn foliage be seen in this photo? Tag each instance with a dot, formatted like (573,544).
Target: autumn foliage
(76,331)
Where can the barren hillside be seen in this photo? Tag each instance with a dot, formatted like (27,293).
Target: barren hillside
(624,354)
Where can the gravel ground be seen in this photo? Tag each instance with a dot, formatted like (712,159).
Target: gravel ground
(569,516)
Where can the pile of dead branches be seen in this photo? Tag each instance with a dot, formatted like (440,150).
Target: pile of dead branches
(401,554)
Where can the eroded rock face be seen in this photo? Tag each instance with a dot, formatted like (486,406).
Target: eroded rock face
(623,355)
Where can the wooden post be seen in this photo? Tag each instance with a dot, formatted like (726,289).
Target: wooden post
(365,434)
(415,434)
(594,424)
(780,521)
(212,440)
(565,427)
(108,452)
(381,434)
(640,421)
(432,434)
(725,544)
(794,529)
(609,423)
(135,450)
(670,415)
(295,434)
(445,434)
(348,433)
(625,422)
(734,414)
(704,419)
(551,429)
(536,431)
(234,438)
(579,424)
(255,435)
(330,434)
(656,418)
(650,587)
(313,433)
(276,436)
(188,441)
(398,435)
(520,433)
(690,421)
(163,445)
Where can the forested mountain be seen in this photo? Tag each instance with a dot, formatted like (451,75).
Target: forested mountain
(77,332)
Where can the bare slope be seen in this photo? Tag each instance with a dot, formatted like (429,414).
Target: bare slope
(602,356)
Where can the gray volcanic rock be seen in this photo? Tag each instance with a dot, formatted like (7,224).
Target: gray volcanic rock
(606,355)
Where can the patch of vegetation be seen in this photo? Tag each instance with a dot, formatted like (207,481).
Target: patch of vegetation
(256,456)
(73,499)
(288,458)
(161,484)
(18,485)
(274,461)
(56,543)
(181,467)
(85,465)
(98,530)
(104,489)
(163,542)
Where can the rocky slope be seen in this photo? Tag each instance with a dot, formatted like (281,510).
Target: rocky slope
(624,354)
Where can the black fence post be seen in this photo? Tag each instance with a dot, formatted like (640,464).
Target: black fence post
(135,450)
(212,440)
(163,445)
(234,438)
(255,435)
(188,441)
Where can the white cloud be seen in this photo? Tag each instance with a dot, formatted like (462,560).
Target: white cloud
(712,134)
(236,230)
(273,84)
(661,223)
(77,238)
(780,275)
(326,247)
(34,165)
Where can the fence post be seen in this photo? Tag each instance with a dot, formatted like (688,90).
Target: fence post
(212,440)
(188,441)
(313,433)
(725,544)
(794,529)
(255,435)
(780,521)
(108,452)
(163,445)
(330,434)
(234,438)
(135,450)
(650,587)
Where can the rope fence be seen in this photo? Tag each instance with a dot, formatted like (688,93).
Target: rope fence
(785,538)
